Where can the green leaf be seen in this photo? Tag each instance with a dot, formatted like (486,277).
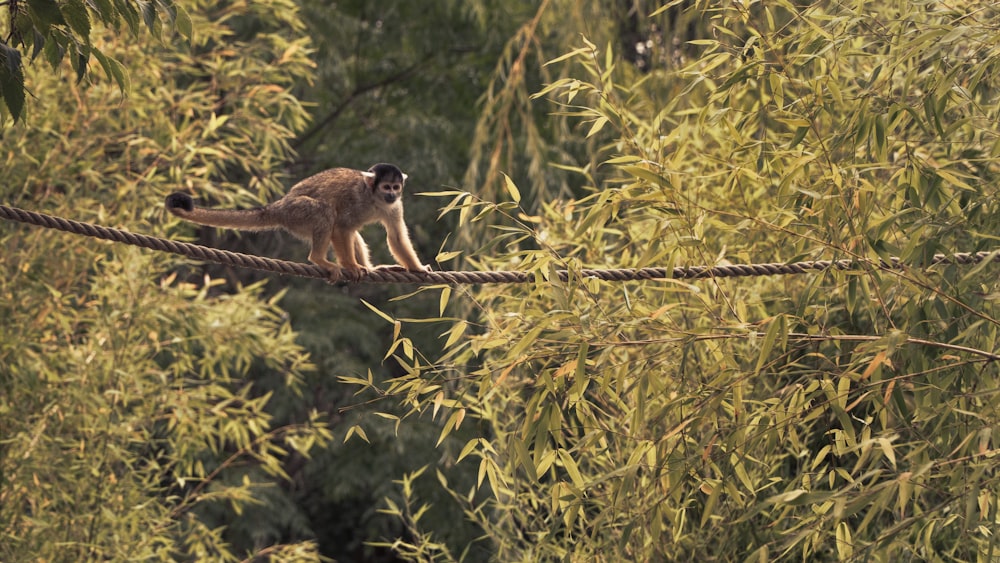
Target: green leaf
(800,134)
(80,64)
(76,15)
(150,17)
(11,80)
(182,21)
(777,327)
(54,51)
(115,70)
(128,12)
(45,13)
(107,12)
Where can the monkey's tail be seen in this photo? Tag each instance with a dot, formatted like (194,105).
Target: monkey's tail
(257,219)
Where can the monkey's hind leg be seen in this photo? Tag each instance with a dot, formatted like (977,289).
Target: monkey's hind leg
(317,254)
(345,243)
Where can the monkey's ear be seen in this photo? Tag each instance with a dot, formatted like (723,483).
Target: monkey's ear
(369,178)
(405,176)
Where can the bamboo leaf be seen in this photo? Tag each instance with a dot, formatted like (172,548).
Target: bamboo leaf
(776,329)
(512,189)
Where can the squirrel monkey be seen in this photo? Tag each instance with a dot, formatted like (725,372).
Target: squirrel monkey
(328,208)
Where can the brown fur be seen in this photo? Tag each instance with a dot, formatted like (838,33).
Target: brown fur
(326,209)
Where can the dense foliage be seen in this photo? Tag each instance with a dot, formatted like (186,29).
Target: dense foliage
(131,426)
(844,415)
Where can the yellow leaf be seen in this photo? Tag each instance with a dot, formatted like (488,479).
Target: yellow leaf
(437,403)
(356,430)
(455,333)
(445,294)
(448,255)
(566,368)
(599,124)
(379,313)
(512,189)
(877,361)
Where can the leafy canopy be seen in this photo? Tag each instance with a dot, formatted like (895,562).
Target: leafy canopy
(136,420)
(65,31)
(844,415)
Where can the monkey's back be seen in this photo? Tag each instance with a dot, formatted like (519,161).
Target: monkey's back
(349,203)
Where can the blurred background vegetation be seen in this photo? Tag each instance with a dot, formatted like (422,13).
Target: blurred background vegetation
(157,408)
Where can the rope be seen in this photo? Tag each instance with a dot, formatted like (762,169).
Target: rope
(389,275)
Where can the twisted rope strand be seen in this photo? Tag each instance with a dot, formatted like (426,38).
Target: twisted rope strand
(390,275)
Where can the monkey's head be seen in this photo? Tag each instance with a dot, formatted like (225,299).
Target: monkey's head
(386,182)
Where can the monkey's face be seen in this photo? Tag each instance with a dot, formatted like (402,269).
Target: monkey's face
(386,180)
(390,191)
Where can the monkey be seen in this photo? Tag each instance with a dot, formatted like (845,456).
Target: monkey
(326,209)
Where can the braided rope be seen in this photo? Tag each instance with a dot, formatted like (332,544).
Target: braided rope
(468,277)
